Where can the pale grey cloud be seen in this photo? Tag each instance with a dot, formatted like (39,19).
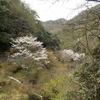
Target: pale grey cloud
(48,10)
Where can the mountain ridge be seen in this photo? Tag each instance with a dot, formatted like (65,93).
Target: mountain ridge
(54,26)
(57,26)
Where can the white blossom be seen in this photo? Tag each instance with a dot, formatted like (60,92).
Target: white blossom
(78,39)
(70,55)
(27,47)
(69,52)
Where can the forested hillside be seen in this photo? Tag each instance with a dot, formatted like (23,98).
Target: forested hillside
(73,28)
(82,34)
(54,26)
(16,19)
(53,60)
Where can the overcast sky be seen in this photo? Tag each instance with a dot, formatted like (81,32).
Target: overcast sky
(49,10)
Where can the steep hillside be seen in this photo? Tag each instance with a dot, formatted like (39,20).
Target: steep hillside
(21,76)
(17,19)
(54,26)
(62,25)
(86,22)
(37,66)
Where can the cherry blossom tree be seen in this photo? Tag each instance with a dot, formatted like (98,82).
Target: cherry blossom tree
(27,48)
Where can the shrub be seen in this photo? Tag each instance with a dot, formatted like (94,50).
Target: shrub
(49,40)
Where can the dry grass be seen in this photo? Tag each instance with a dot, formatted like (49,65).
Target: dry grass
(57,76)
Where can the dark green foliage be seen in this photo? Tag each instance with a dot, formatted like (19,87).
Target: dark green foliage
(23,20)
(74,95)
(4,36)
(96,52)
(34,97)
(88,78)
(4,41)
(49,40)
(16,19)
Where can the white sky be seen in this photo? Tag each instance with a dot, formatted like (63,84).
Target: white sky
(48,10)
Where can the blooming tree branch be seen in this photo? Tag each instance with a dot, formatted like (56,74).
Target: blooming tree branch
(70,55)
(27,47)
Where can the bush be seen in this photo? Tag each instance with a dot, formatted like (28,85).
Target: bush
(49,40)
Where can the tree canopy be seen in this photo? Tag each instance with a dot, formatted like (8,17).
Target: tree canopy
(17,19)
